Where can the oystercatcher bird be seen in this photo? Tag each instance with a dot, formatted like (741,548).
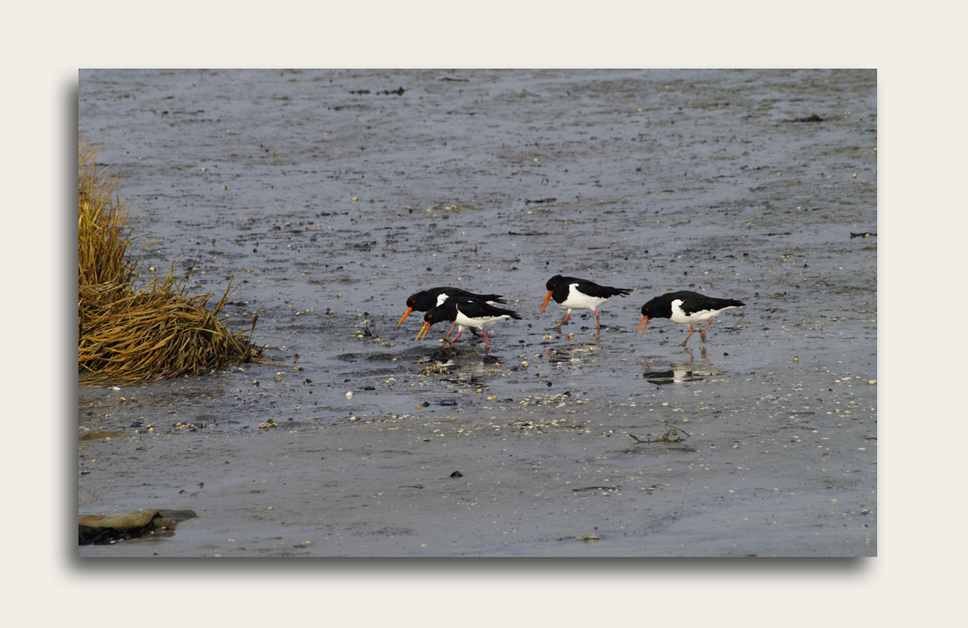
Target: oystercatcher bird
(687,308)
(579,294)
(465,312)
(429,299)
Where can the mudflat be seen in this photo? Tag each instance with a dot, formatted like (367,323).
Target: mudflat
(329,197)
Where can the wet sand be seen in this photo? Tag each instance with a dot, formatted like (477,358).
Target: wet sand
(330,201)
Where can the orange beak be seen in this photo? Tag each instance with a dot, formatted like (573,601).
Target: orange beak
(423,331)
(547,298)
(405,315)
(645,321)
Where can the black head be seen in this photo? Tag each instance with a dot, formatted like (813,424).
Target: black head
(659,307)
(553,282)
(446,311)
(424,300)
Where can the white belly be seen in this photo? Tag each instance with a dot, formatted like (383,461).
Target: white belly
(463,321)
(578,301)
(702,315)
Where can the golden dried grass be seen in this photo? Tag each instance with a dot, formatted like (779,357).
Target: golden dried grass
(132,334)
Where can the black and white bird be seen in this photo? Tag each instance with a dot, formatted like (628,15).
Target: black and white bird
(579,294)
(426,300)
(466,313)
(687,308)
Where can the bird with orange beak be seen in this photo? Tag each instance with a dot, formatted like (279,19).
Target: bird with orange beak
(465,313)
(579,294)
(687,308)
(428,299)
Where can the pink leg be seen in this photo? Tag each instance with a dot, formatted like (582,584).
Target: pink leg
(564,320)
(598,324)
(487,344)
(455,338)
(687,336)
(702,334)
(450,330)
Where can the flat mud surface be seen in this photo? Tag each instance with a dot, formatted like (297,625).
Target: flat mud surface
(328,197)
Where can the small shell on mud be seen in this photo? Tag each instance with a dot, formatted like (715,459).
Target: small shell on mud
(349,394)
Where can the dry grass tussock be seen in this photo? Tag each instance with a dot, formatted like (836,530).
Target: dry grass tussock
(130,334)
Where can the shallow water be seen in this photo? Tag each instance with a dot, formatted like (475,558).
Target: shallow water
(329,202)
